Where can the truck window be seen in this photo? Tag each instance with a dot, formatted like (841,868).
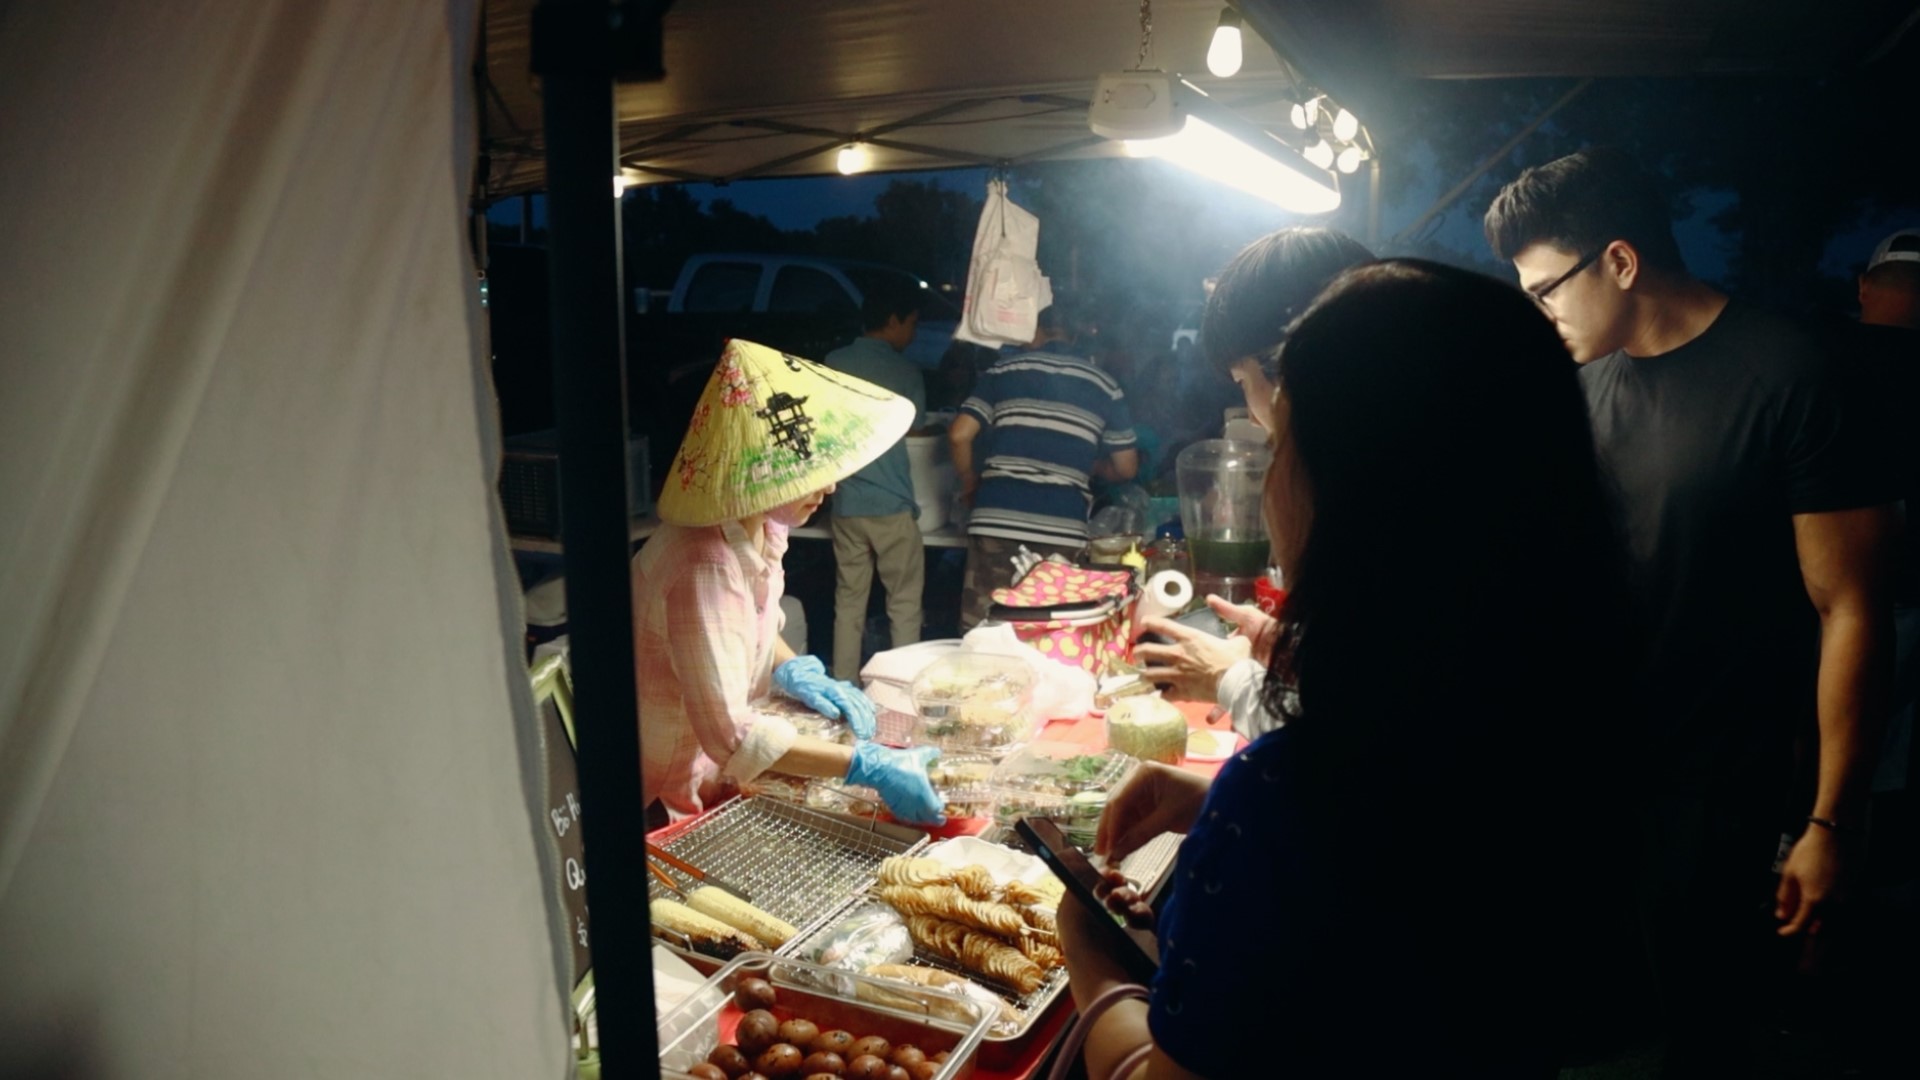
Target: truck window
(722,287)
(800,289)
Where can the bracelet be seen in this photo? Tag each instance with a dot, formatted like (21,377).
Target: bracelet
(1830,825)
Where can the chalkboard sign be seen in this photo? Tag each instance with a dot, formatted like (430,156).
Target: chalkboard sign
(563,815)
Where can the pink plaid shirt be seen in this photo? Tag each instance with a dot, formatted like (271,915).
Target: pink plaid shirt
(706,616)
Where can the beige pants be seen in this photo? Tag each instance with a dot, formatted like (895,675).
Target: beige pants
(893,544)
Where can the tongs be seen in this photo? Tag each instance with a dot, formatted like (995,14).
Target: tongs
(695,872)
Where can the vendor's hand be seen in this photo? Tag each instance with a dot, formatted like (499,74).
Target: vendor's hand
(1249,622)
(1809,882)
(805,679)
(900,776)
(1189,669)
(1156,799)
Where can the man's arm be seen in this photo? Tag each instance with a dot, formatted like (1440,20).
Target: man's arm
(1843,558)
(960,436)
(1117,466)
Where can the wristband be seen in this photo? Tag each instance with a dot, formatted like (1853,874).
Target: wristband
(1830,825)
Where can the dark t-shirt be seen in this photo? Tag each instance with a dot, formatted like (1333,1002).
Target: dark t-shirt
(1714,447)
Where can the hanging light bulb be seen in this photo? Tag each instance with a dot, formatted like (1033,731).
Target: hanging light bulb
(627,177)
(1349,159)
(1223,55)
(1320,153)
(1345,126)
(853,159)
(1298,114)
(1313,111)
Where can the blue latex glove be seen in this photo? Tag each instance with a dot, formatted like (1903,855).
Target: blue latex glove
(900,776)
(805,679)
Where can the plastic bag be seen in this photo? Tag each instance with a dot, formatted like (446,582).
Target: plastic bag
(869,934)
(1005,289)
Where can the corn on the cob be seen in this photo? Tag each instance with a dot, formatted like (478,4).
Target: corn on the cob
(720,904)
(706,934)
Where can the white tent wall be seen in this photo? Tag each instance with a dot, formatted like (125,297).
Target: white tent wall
(269,777)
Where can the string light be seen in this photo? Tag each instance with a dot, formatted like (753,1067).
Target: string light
(1224,54)
(1345,126)
(853,158)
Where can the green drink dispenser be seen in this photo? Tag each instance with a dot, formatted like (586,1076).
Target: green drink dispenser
(1222,486)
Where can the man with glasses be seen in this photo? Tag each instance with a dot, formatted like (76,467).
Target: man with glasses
(1757,523)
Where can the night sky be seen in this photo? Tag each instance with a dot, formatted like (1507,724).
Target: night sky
(799,203)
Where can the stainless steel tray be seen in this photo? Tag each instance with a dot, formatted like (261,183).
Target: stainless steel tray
(796,863)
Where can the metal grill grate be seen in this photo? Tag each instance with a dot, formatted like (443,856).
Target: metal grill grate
(797,864)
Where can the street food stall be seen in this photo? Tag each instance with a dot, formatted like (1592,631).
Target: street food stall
(270,780)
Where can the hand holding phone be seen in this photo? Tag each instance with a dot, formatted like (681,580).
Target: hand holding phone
(1136,949)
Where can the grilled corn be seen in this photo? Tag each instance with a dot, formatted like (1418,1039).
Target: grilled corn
(720,904)
(703,933)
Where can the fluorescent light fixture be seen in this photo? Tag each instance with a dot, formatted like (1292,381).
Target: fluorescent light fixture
(1223,54)
(853,158)
(1244,158)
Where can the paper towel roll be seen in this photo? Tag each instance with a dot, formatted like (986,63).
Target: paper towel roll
(1167,594)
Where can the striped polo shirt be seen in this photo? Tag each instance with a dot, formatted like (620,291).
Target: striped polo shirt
(1049,416)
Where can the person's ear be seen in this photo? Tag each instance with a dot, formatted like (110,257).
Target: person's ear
(1861,284)
(1621,264)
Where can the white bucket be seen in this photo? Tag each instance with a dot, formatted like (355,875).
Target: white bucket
(933,479)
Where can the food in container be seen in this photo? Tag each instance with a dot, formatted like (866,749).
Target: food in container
(936,1031)
(1062,782)
(1147,727)
(972,701)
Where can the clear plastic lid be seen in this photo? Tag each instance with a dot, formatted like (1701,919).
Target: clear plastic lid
(1065,782)
(974,701)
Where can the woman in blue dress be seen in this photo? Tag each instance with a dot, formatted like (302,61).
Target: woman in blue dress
(1417,874)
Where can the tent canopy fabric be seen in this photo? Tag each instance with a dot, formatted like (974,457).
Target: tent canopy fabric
(271,788)
(757,88)
(760,88)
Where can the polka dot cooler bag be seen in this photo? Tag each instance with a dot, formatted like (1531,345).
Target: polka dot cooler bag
(1097,643)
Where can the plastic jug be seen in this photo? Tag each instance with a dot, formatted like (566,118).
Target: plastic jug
(1222,484)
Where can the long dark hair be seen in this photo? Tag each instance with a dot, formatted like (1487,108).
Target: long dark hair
(1453,634)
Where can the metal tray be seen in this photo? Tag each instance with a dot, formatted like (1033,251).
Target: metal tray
(796,863)
(930,1019)
(1032,1007)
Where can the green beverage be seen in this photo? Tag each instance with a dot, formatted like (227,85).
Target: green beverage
(1228,558)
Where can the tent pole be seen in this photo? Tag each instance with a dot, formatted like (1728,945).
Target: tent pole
(579,48)
(1491,160)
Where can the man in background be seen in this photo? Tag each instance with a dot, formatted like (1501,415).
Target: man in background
(875,517)
(1758,525)
(1056,422)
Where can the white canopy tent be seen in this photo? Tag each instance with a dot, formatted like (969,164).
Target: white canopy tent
(269,778)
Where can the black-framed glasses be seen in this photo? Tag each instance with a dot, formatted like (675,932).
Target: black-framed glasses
(1540,295)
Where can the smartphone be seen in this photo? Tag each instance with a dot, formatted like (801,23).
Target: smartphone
(1136,950)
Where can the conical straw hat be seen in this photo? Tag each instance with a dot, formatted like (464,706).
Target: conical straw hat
(772,428)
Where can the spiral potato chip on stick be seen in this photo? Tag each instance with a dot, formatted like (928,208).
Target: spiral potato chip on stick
(977,952)
(948,902)
(908,870)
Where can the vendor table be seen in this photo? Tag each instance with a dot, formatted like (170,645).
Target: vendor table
(1088,731)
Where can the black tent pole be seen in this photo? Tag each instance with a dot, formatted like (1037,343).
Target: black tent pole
(580,47)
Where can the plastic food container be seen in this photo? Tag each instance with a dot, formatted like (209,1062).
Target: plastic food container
(961,780)
(1147,727)
(975,702)
(1059,781)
